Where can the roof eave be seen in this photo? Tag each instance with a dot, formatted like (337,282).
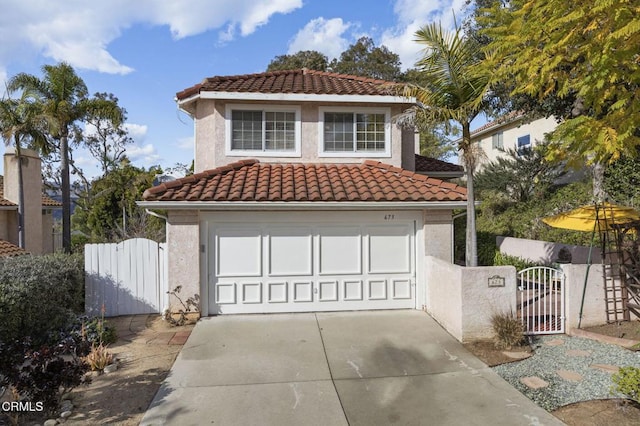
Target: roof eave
(302,205)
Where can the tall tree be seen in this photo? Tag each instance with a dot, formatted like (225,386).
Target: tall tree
(366,59)
(453,88)
(106,140)
(64,99)
(584,54)
(304,59)
(107,210)
(21,125)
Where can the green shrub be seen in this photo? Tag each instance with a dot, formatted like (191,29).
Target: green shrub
(520,263)
(627,382)
(92,330)
(508,329)
(39,295)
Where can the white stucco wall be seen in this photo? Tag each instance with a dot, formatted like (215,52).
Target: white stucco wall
(438,234)
(480,301)
(444,294)
(210,144)
(594,310)
(183,245)
(461,300)
(544,251)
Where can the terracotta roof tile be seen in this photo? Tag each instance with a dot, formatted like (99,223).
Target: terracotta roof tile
(9,250)
(254,181)
(428,164)
(291,81)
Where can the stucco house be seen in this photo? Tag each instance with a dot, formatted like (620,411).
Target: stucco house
(514,131)
(38,208)
(305,197)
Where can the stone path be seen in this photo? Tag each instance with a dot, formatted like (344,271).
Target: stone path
(534,382)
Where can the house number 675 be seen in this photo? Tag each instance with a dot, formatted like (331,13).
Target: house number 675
(389,217)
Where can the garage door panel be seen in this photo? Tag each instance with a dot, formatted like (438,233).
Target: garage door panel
(377,289)
(278,292)
(225,293)
(401,289)
(352,290)
(389,249)
(239,252)
(290,251)
(251,292)
(340,250)
(303,291)
(328,291)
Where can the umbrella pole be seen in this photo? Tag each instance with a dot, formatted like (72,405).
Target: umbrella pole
(586,276)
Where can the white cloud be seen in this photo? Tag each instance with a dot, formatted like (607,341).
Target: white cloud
(146,155)
(411,16)
(186,143)
(79,31)
(322,35)
(138,132)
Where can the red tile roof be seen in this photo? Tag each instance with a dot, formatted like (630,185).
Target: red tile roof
(250,180)
(302,81)
(9,250)
(507,118)
(428,164)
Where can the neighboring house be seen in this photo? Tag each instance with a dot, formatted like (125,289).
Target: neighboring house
(305,197)
(38,208)
(512,132)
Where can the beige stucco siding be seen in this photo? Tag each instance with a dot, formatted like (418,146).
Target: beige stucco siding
(183,243)
(32,181)
(438,234)
(211,149)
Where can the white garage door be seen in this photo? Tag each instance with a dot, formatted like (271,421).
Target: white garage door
(304,267)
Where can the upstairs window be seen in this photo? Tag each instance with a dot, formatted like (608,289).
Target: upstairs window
(269,131)
(497,140)
(363,132)
(523,143)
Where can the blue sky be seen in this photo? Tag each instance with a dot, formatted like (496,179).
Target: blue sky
(144,51)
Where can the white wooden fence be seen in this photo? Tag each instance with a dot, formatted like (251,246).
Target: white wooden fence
(128,277)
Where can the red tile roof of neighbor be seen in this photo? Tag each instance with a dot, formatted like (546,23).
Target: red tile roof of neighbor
(9,250)
(250,180)
(302,81)
(428,164)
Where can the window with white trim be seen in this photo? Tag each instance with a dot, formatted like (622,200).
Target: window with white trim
(252,130)
(355,132)
(497,140)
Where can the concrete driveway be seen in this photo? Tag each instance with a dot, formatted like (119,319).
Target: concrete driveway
(350,368)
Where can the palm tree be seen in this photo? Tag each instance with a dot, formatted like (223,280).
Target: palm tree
(64,100)
(21,122)
(453,88)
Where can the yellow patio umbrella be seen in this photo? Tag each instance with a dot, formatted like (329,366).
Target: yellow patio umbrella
(592,218)
(597,217)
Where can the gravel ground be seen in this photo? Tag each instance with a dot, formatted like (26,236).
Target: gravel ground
(550,358)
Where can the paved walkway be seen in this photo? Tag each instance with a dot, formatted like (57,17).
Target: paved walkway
(352,368)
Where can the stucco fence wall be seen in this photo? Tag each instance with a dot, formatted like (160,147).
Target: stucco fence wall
(544,251)
(463,299)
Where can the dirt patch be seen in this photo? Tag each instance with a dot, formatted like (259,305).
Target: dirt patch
(621,330)
(602,412)
(146,348)
(487,352)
